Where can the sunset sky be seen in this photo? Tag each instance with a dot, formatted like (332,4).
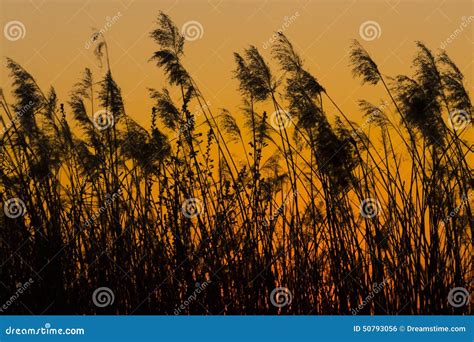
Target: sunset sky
(53,48)
(323,217)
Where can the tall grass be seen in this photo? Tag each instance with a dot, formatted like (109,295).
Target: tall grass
(318,206)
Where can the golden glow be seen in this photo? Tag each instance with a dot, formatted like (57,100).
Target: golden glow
(57,32)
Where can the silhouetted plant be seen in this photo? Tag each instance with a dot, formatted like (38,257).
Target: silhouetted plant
(247,207)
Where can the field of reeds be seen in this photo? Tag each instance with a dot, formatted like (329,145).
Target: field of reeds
(293,210)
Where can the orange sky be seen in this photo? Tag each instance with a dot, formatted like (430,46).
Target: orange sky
(56,32)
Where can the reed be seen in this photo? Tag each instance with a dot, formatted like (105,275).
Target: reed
(331,211)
